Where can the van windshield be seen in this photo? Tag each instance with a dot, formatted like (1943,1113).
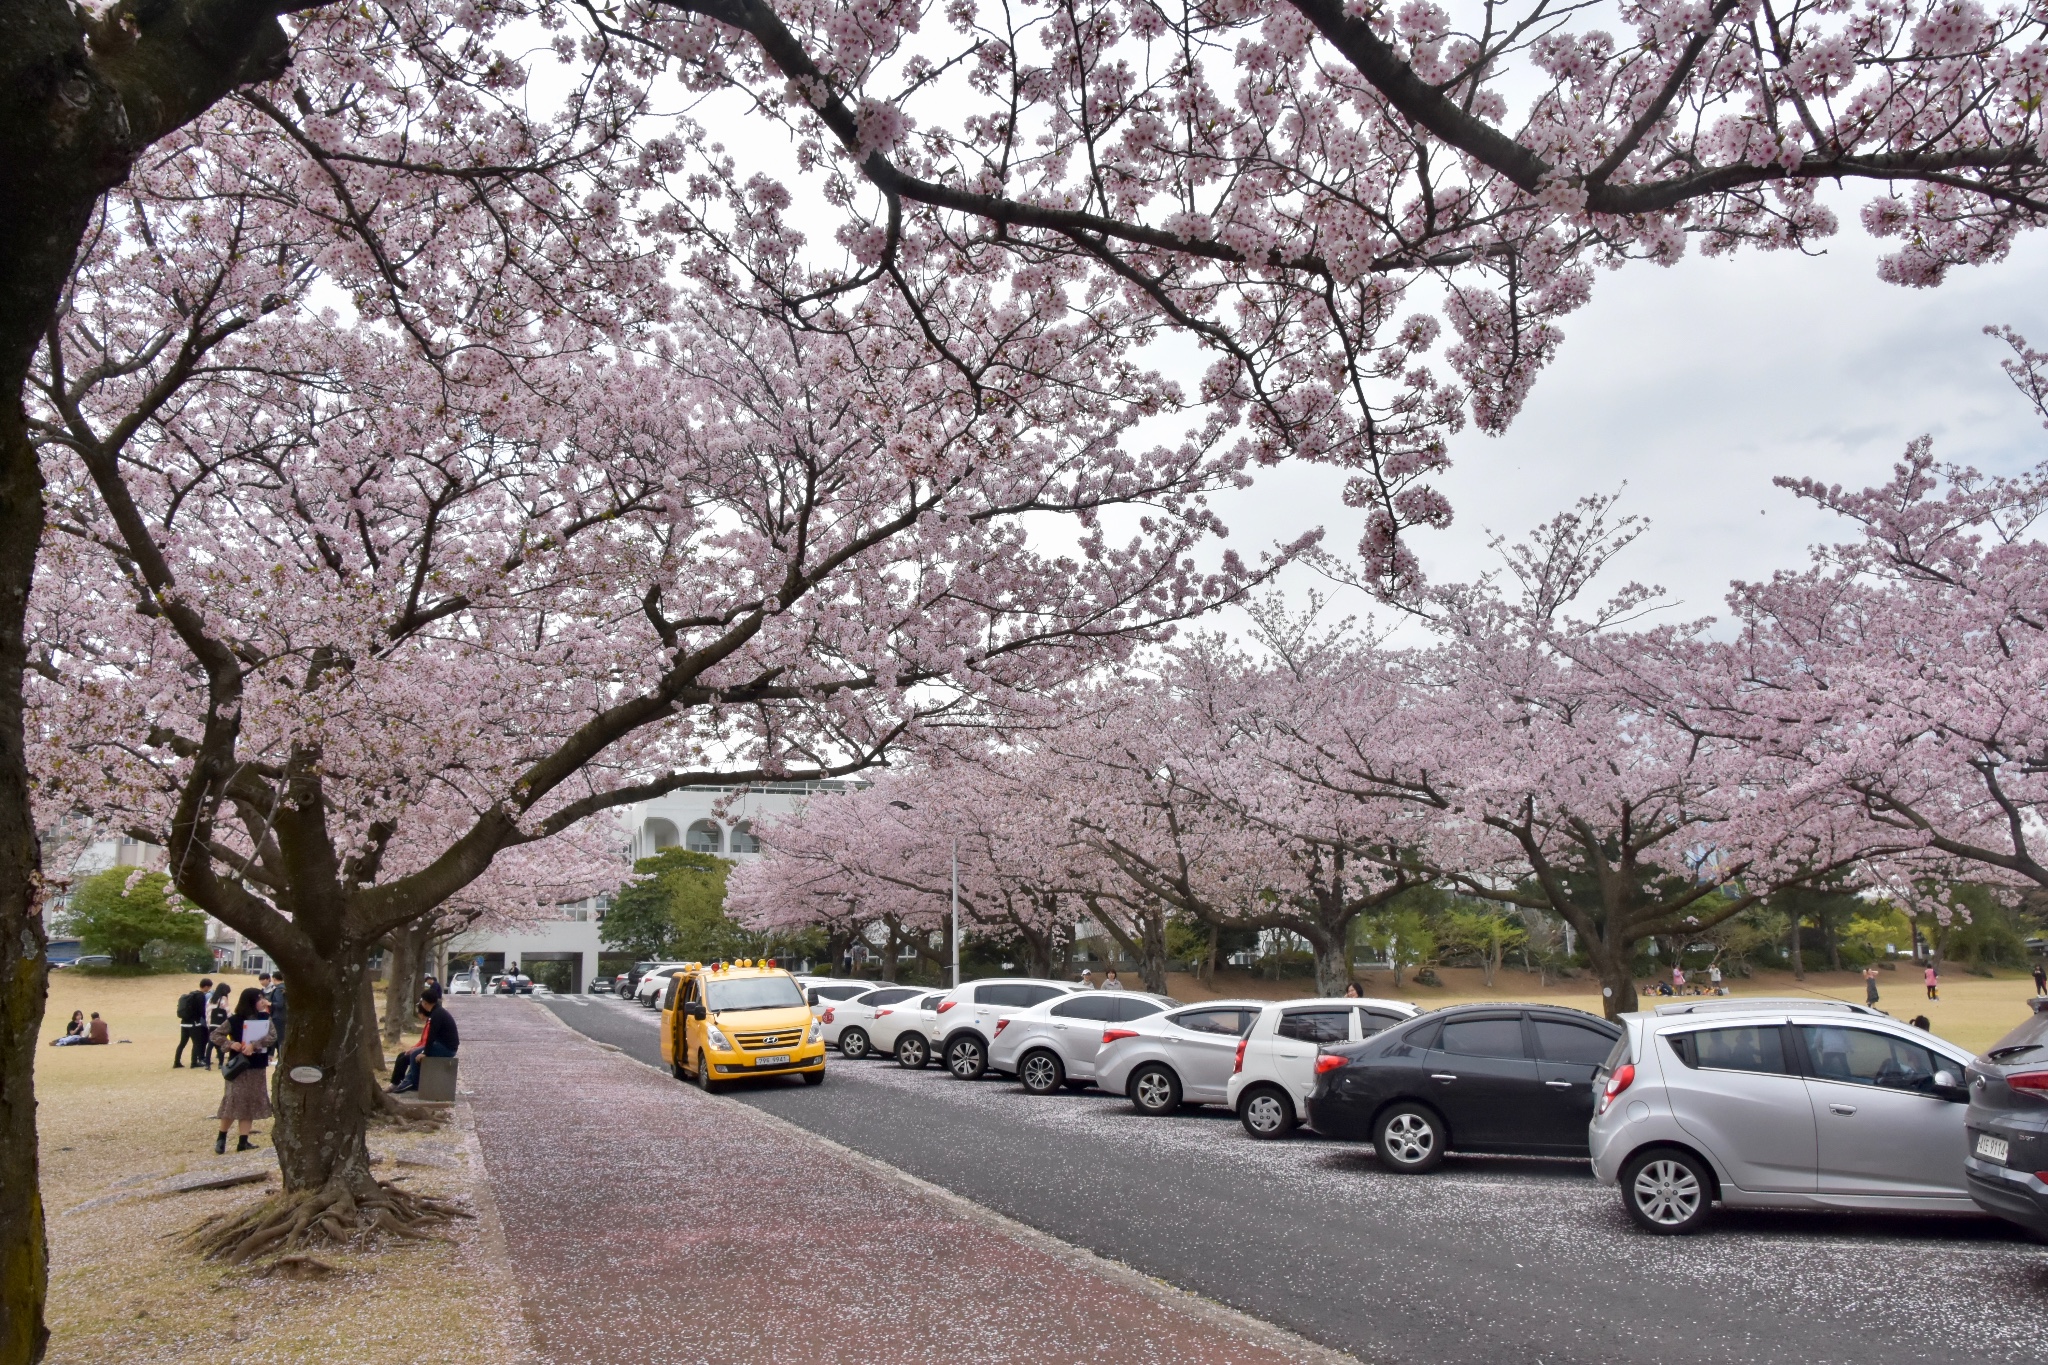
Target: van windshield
(753,993)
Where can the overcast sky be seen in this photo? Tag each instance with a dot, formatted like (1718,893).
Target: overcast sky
(1696,385)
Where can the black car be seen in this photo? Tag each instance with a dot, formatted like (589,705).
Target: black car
(1471,1078)
(2006,1125)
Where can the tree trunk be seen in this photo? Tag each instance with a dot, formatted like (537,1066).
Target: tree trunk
(1333,965)
(404,971)
(1616,969)
(1209,958)
(320,1129)
(1798,958)
(1152,952)
(1830,939)
(892,953)
(1490,959)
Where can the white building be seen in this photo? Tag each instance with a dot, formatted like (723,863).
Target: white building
(702,819)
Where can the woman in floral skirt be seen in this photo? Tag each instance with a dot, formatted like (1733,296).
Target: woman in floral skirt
(247,1096)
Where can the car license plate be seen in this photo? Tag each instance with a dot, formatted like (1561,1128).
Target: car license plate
(783,1060)
(1991,1148)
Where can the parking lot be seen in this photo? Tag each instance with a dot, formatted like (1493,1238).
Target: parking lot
(1488,1259)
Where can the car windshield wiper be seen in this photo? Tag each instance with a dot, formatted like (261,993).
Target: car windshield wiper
(744,1009)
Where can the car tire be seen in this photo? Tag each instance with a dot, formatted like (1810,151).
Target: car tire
(966,1058)
(1409,1139)
(914,1051)
(815,1077)
(853,1044)
(1266,1112)
(704,1081)
(1154,1090)
(1667,1191)
(1039,1072)
(675,1069)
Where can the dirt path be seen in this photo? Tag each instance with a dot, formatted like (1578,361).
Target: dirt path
(649,1222)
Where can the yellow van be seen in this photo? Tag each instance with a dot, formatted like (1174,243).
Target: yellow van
(725,1021)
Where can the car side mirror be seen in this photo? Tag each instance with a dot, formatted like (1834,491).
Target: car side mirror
(1946,1086)
(693,1009)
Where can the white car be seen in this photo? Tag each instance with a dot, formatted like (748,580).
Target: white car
(1275,1066)
(908,1030)
(1055,1041)
(968,1015)
(847,1023)
(1800,1103)
(822,992)
(1184,1056)
(462,985)
(648,992)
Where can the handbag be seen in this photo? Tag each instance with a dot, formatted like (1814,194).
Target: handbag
(234,1066)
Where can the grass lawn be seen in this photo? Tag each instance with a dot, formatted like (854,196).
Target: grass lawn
(1973,1011)
(122,1288)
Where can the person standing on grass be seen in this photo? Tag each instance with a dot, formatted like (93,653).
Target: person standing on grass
(1110,981)
(2040,978)
(216,1016)
(1933,979)
(1714,978)
(246,1096)
(1351,991)
(1870,984)
(192,1025)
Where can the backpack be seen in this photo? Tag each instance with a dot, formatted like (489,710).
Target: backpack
(192,1008)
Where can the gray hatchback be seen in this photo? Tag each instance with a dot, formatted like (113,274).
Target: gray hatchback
(2006,1161)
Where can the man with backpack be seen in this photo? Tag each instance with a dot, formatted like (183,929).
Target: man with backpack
(192,1025)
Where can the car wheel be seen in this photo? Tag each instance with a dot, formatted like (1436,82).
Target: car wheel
(1154,1090)
(704,1081)
(1667,1190)
(913,1051)
(1409,1139)
(1041,1072)
(1266,1112)
(966,1058)
(815,1077)
(853,1044)
(675,1069)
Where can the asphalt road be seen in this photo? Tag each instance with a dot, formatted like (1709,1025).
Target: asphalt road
(1487,1260)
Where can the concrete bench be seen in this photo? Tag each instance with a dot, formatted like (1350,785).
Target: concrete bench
(437,1080)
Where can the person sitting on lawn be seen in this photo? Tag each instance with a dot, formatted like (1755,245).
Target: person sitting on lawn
(74,1032)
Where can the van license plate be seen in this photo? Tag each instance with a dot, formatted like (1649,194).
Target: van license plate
(1991,1148)
(784,1061)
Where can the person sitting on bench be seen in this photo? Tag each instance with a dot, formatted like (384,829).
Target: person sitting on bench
(438,1038)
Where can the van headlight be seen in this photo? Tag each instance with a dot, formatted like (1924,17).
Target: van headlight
(716,1040)
(817,1032)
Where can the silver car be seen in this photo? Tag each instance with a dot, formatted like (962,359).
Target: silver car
(1053,1043)
(1183,1056)
(1779,1104)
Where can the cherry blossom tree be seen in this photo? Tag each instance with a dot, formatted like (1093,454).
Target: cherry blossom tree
(341,609)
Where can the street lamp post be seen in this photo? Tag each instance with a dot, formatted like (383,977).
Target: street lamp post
(905,805)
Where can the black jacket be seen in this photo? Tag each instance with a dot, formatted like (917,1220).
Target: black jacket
(441,1032)
(192,1007)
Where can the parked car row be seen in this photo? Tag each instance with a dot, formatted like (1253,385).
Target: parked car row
(1742,1102)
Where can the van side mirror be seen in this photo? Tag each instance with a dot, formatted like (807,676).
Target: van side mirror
(694,1009)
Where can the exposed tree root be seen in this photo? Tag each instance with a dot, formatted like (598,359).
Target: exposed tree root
(297,1268)
(339,1213)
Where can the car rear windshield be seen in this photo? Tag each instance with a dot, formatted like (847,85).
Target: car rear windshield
(754,993)
(2028,1042)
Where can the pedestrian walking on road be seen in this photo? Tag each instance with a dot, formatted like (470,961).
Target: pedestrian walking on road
(2041,978)
(192,1025)
(1110,981)
(1870,984)
(245,1044)
(1933,979)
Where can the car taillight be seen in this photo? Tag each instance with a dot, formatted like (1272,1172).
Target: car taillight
(1001,1024)
(1110,1035)
(1238,1064)
(828,1014)
(1329,1062)
(945,1005)
(1624,1076)
(880,1012)
(2030,1083)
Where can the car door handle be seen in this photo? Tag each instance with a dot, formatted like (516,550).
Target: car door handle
(1842,1108)
(1441,1076)
(1559,1085)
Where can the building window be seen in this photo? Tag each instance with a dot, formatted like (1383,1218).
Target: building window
(743,840)
(705,837)
(661,834)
